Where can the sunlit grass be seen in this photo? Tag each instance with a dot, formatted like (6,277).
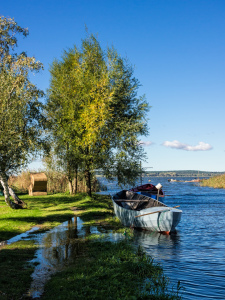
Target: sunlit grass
(51,210)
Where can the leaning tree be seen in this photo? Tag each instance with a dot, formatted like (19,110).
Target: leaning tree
(21,118)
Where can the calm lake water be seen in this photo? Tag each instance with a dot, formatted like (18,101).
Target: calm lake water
(196,254)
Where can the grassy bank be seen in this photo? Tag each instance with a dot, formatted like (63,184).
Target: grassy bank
(15,270)
(105,270)
(50,211)
(215,182)
(100,270)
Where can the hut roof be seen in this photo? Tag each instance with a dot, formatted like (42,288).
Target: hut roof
(38,177)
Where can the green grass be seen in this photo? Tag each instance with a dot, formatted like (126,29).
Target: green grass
(100,269)
(105,270)
(51,210)
(15,271)
(215,182)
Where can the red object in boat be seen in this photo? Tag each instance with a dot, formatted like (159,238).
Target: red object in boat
(147,188)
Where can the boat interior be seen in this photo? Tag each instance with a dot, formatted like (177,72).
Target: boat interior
(135,201)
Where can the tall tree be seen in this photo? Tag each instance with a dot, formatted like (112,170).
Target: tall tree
(93,106)
(21,117)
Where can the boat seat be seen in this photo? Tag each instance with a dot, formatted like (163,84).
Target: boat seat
(135,205)
(133,196)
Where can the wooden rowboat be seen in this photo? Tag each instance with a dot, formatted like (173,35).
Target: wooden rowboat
(139,211)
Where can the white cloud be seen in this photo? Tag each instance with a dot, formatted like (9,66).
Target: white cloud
(201,146)
(145,144)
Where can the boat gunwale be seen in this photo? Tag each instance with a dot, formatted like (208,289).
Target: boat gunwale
(162,205)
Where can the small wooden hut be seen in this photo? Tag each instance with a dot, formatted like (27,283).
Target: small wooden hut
(38,186)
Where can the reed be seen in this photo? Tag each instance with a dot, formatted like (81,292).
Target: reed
(57,182)
(217,182)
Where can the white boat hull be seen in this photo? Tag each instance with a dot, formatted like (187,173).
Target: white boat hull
(158,218)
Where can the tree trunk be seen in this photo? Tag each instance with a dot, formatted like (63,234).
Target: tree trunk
(9,191)
(69,172)
(70,186)
(4,183)
(16,199)
(88,181)
(75,179)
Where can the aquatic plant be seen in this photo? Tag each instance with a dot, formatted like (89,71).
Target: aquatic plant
(215,182)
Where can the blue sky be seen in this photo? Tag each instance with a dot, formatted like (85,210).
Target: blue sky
(177,48)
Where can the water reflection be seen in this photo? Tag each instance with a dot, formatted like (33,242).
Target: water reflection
(155,238)
(157,244)
(58,248)
(58,244)
(62,244)
(22,236)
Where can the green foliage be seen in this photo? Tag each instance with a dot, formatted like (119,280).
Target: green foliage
(94,112)
(21,117)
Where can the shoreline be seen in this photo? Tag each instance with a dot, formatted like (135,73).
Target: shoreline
(115,261)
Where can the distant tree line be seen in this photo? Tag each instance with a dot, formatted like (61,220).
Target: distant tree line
(182,173)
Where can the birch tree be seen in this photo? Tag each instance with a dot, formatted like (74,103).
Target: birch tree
(21,118)
(93,106)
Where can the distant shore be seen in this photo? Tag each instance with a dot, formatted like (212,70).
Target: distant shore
(182,173)
(177,173)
